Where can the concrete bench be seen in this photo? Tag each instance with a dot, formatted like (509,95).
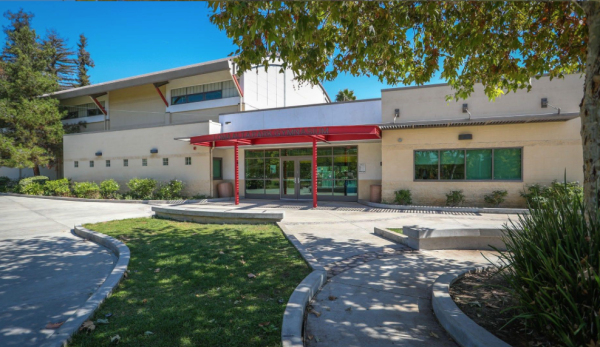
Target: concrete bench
(431,238)
(186,214)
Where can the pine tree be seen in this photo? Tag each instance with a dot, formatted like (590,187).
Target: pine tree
(62,65)
(31,124)
(83,62)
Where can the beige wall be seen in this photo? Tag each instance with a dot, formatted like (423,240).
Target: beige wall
(136,107)
(429,102)
(548,150)
(135,145)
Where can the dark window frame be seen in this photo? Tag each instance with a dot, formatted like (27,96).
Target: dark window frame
(521,148)
(220,160)
(185,99)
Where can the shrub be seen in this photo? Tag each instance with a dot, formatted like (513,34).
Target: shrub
(170,190)
(538,196)
(34,188)
(109,189)
(455,198)
(7,185)
(88,190)
(403,197)
(496,197)
(141,188)
(553,258)
(29,180)
(57,188)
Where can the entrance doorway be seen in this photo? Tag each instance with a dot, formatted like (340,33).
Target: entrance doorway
(296,178)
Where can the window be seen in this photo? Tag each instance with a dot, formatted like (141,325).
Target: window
(262,172)
(91,163)
(217,168)
(76,163)
(108,163)
(144,162)
(204,92)
(125,162)
(165,161)
(188,160)
(84,110)
(469,164)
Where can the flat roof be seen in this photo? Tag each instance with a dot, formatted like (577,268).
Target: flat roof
(498,120)
(154,77)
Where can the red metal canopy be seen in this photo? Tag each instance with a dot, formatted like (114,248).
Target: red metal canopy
(289,135)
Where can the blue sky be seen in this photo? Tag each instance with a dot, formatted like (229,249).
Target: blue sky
(132,38)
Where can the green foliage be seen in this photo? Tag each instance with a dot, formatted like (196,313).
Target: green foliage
(84,61)
(32,130)
(553,257)
(345,95)
(496,197)
(141,188)
(403,197)
(537,195)
(34,179)
(88,190)
(34,188)
(61,64)
(455,198)
(57,187)
(170,190)
(7,185)
(500,44)
(109,189)
(201,294)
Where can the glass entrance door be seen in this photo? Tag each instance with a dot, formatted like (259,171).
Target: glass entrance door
(297,178)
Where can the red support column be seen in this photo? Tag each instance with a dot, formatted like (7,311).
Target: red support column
(237,175)
(314,175)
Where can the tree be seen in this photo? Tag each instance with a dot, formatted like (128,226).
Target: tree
(84,61)
(345,95)
(62,65)
(31,125)
(499,44)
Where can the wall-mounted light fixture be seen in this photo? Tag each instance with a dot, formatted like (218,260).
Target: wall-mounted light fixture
(396,114)
(545,104)
(399,139)
(465,109)
(154,150)
(99,153)
(227,123)
(465,136)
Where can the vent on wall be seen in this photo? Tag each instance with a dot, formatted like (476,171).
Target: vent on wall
(99,154)
(154,151)
(465,137)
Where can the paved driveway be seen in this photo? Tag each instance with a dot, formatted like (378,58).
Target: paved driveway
(46,272)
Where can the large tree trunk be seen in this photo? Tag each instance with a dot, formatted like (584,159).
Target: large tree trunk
(36,170)
(590,109)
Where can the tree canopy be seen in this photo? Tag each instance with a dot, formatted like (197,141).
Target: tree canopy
(84,61)
(345,95)
(500,44)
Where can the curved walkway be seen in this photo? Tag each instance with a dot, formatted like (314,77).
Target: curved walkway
(378,293)
(46,272)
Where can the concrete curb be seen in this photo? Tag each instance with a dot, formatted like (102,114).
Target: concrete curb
(62,336)
(391,235)
(293,317)
(463,330)
(446,209)
(148,202)
(217,216)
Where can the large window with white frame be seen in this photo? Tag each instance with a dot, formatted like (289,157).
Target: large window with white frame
(203,92)
(503,164)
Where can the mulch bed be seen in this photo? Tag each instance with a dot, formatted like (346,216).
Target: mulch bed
(482,297)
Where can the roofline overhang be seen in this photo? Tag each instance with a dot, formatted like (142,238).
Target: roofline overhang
(480,121)
(155,77)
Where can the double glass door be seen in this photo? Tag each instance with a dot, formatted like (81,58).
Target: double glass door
(296,178)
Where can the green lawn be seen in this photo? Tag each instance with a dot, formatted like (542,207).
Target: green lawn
(397,230)
(202,294)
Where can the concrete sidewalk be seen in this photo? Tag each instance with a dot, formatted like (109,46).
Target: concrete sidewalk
(381,289)
(46,272)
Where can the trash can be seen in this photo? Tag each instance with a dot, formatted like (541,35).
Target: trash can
(375,193)
(225,189)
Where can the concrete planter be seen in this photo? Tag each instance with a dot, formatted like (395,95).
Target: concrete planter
(423,238)
(463,329)
(220,217)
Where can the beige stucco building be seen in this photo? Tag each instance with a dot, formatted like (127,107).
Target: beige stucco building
(182,123)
